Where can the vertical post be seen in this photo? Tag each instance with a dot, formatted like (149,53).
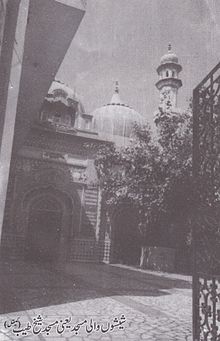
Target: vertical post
(214,312)
(195,291)
(212,130)
(98,215)
(82,203)
(204,153)
(195,277)
(10,70)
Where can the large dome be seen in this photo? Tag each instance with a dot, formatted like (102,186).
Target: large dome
(115,119)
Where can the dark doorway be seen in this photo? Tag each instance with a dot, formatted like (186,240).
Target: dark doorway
(126,238)
(44,227)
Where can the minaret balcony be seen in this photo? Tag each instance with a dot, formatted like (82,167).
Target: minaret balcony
(170,82)
(169,65)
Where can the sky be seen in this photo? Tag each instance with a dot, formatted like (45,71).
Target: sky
(124,40)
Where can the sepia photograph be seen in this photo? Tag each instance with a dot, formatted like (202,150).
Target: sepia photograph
(110,170)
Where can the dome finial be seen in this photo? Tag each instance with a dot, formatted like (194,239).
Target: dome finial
(169,47)
(116,98)
(116,87)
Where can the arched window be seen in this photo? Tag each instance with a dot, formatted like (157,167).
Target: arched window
(167,73)
(60,93)
(173,74)
(44,229)
(57,118)
(87,124)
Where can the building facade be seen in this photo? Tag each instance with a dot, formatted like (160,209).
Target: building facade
(33,43)
(54,208)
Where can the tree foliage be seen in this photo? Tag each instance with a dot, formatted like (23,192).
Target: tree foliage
(153,172)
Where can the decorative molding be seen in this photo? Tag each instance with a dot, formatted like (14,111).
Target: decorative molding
(99,212)
(49,155)
(78,175)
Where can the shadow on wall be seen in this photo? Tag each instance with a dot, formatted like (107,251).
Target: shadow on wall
(126,237)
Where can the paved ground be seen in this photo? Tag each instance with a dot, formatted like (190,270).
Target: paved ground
(92,302)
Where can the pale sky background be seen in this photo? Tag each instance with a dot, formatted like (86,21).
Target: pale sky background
(124,40)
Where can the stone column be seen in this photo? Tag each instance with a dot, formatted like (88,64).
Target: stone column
(10,74)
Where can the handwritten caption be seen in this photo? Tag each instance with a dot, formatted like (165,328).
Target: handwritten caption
(39,326)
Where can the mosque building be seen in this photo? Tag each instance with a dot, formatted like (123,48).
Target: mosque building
(54,203)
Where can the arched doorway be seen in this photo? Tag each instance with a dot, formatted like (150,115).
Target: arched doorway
(44,229)
(127,248)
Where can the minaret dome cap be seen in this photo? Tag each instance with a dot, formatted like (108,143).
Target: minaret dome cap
(169,57)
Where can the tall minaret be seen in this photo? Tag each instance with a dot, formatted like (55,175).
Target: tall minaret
(169,82)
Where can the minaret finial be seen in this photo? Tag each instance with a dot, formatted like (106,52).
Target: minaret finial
(169,47)
(116,87)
